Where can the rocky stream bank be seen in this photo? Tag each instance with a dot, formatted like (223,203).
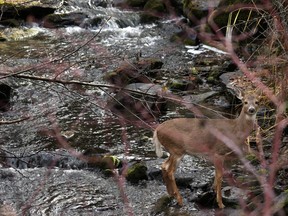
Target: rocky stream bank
(83,84)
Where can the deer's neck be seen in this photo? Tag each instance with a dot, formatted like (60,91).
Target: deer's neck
(246,122)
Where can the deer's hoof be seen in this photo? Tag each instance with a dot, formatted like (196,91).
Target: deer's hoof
(179,201)
(221,205)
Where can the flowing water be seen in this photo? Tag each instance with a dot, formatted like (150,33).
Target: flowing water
(79,113)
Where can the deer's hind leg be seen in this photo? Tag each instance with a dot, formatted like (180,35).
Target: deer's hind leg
(168,169)
(218,163)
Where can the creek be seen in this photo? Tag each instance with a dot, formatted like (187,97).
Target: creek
(46,177)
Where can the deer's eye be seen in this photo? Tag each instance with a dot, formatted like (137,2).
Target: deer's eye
(245,102)
(256,102)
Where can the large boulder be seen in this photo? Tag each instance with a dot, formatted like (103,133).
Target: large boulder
(26,10)
(138,102)
(153,10)
(135,72)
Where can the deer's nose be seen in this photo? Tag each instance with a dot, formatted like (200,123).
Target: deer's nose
(251,110)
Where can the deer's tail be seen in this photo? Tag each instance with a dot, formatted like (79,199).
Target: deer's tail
(158,148)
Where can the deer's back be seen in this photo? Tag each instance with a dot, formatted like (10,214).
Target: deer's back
(193,136)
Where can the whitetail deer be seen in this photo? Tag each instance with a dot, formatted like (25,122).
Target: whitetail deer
(193,136)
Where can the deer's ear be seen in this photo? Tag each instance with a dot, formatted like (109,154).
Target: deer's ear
(258,93)
(239,93)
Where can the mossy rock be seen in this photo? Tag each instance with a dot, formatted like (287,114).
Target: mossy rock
(194,71)
(110,162)
(181,85)
(137,172)
(214,74)
(29,3)
(162,204)
(16,34)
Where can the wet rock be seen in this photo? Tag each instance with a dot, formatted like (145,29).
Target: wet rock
(135,72)
(205,199)
(125,75)
(60,158)
(153,11)
(10,23)
(110,162)
(101,3)
(142,103)
(62,20)
(26,3)
(136,3)
(155,173)
(5,93)
(16,34)
(93,22)
(162,204)
(186,38)
(28,11)
(137,172)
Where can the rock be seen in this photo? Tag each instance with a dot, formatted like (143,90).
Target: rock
(29,11)
(186,38)
(5,93)
(181,85)
(199,9)
(136,3)
(110,162)
(177,6)
(141,106)
(60,158)
(62,20)
(135,72)
(10,22)
(137,172)
(153,11)
(28,3)
(231,196)
(220,16)
(198,98)
(16,34)
(162,204)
